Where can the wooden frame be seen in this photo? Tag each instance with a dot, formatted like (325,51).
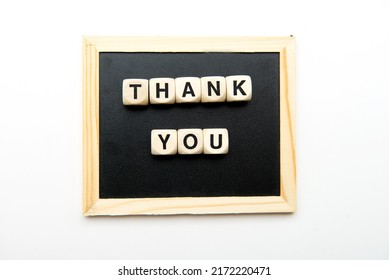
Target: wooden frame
(93,205)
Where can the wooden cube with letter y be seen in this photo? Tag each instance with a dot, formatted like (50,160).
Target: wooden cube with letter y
(188,125)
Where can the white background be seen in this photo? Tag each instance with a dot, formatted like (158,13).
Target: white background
(342,132)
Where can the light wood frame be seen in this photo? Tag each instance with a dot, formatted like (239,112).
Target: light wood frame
(93,205)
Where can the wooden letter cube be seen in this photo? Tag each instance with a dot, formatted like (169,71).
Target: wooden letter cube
(162,91)
(238,88)
(164,142)
(213,89)
(135,92)
(188,90)
(190,141)
(215,141)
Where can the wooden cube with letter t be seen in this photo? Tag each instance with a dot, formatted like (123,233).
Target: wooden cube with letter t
(188,125)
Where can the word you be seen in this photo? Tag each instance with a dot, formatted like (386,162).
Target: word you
(190,141)
(187,90)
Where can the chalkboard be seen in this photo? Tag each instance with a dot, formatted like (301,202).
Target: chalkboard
(121,176)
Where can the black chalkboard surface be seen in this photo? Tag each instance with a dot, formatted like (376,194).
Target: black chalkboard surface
(122,177)
(251,168)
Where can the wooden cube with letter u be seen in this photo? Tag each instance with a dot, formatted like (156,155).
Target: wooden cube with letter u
(216,141)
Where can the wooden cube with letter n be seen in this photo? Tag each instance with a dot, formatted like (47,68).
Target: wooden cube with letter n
(188,125)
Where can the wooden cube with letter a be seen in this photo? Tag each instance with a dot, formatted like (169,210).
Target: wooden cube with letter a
(188,90)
